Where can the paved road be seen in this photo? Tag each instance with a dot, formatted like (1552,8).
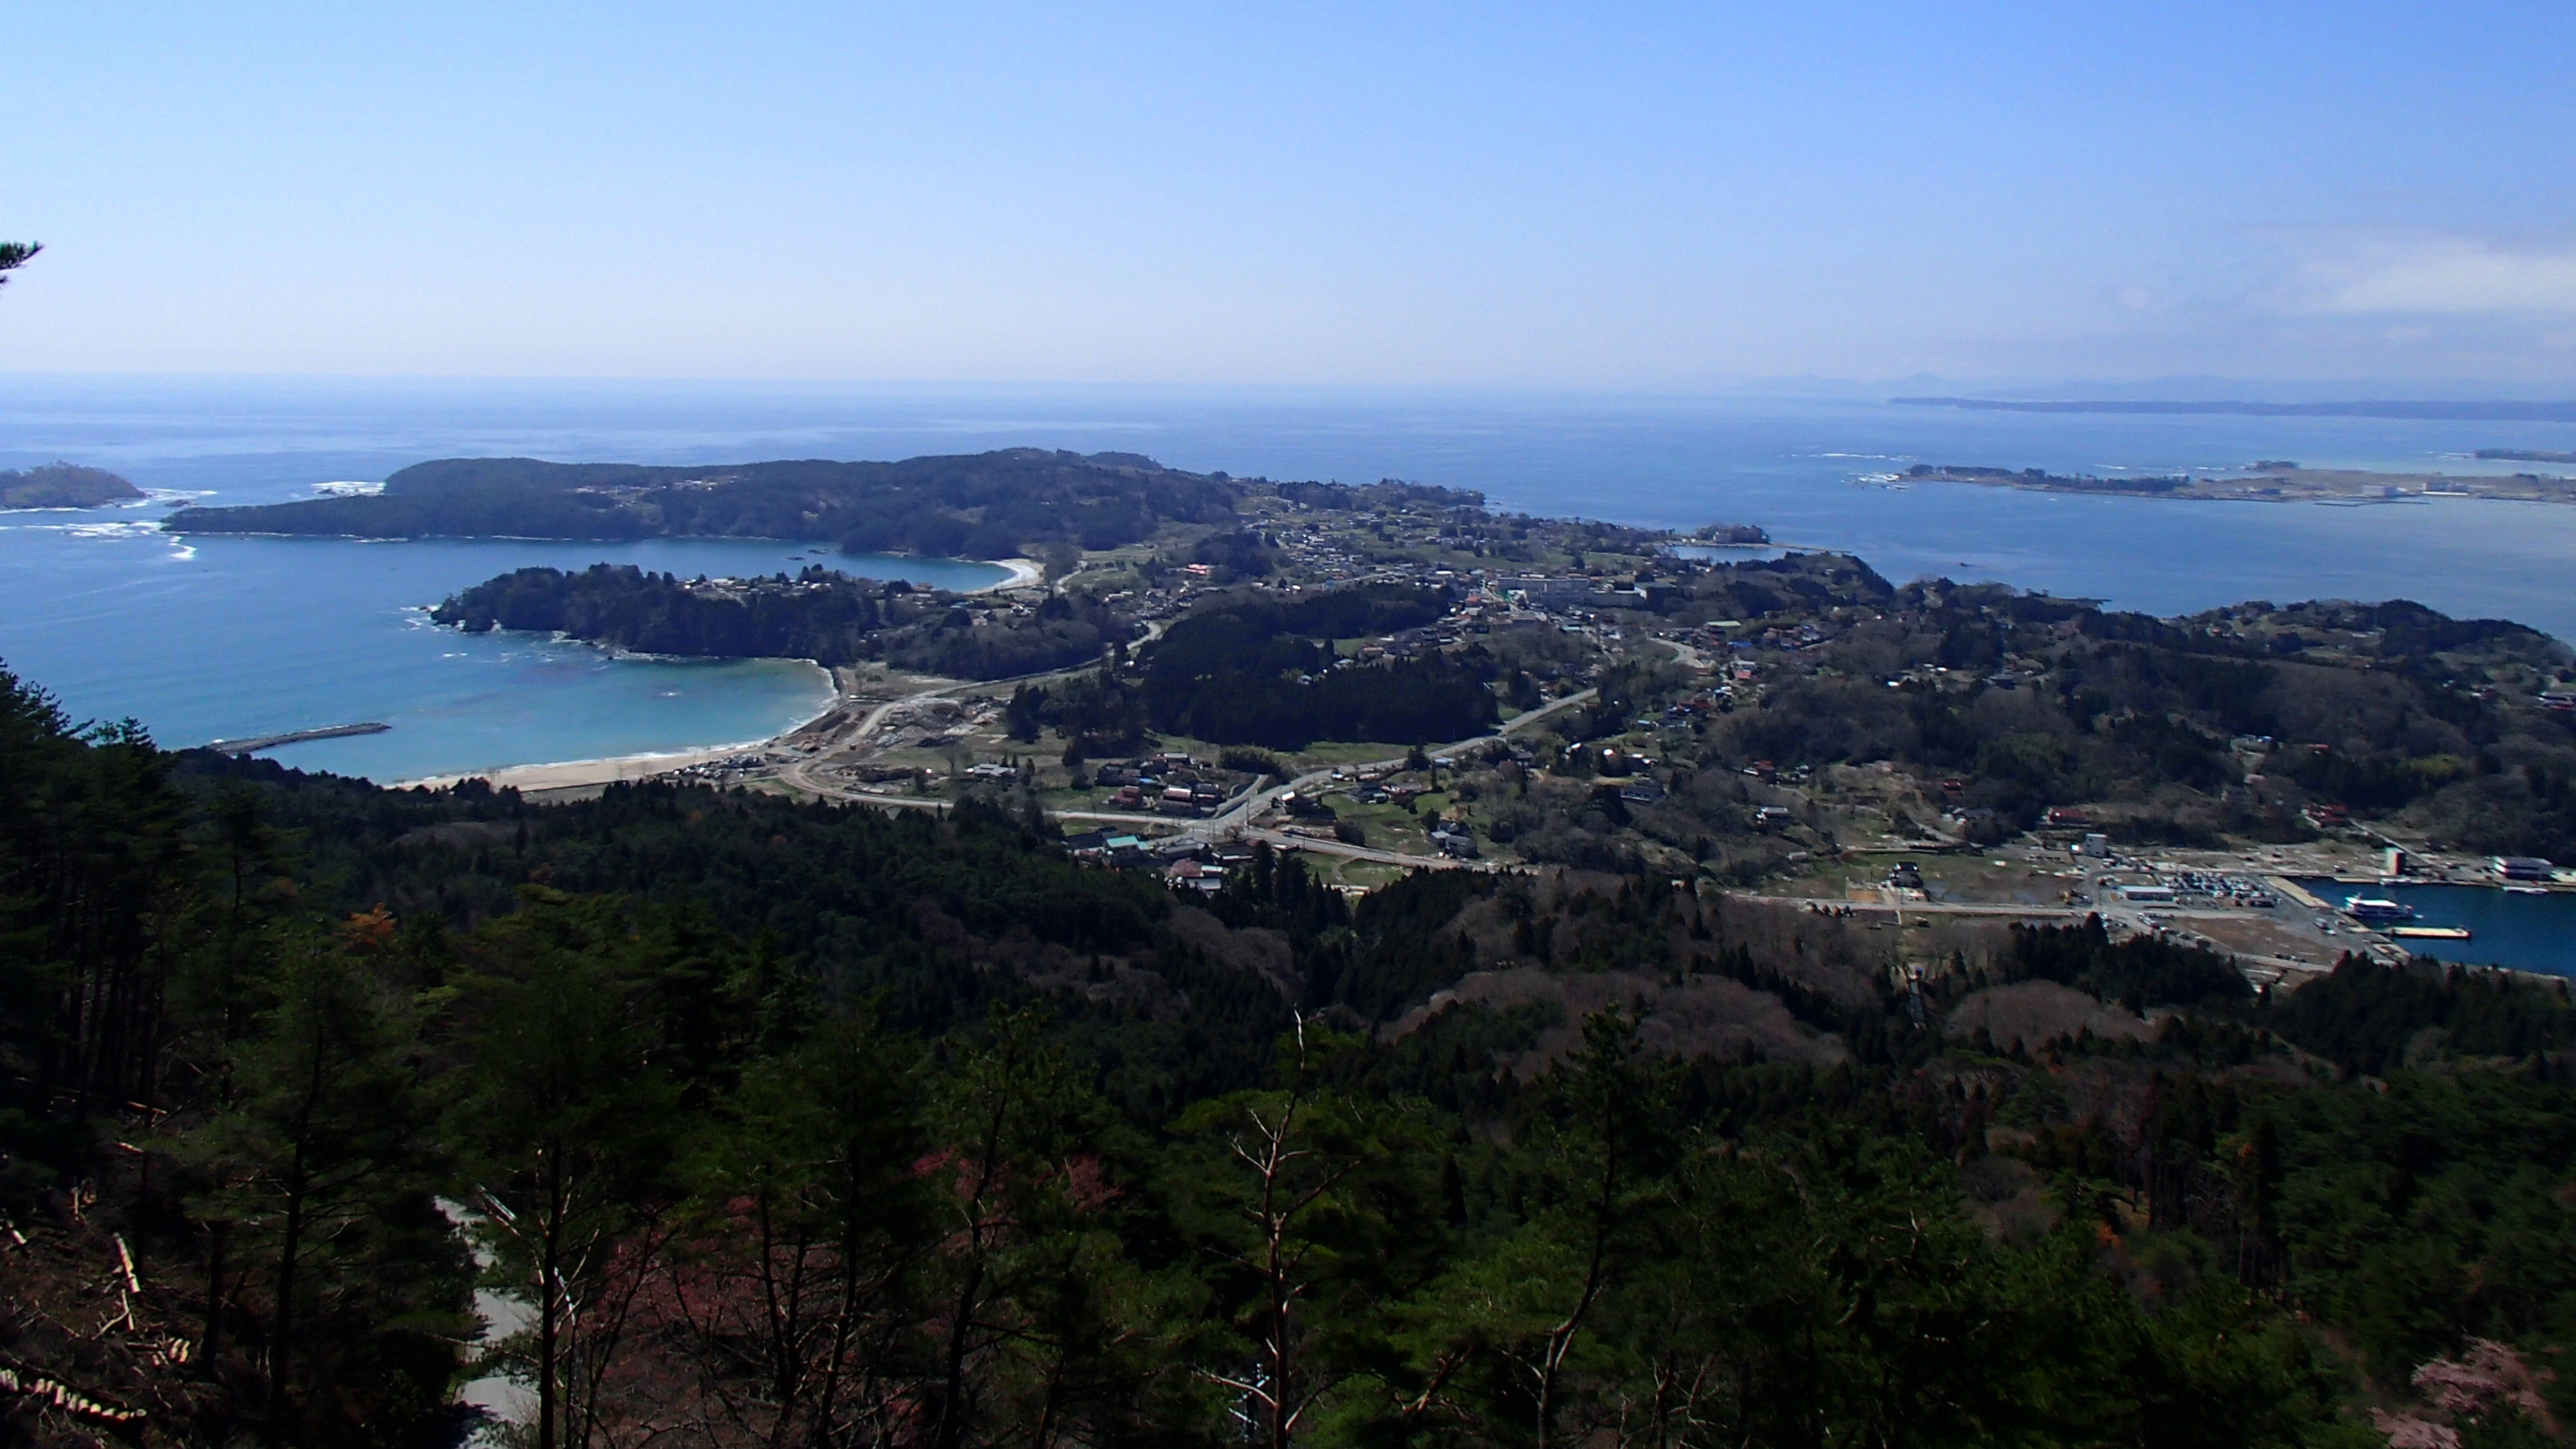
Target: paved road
(1239,813)
(2112,915)
(1686,655)
(1231,818)
(799,773)
(1282,840)
(1923,908)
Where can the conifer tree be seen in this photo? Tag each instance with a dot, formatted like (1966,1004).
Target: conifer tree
(564,1125)
(321,1162)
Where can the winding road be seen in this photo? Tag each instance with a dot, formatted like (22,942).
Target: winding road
(1233,818)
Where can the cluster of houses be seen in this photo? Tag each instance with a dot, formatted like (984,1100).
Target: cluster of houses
(1186,864)
(1451,838)
(1690,709)
(1560,594)
(1169,784)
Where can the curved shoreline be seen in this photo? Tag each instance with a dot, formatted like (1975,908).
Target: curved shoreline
(640,764)
(1023,572)
(608,770)
(614,769)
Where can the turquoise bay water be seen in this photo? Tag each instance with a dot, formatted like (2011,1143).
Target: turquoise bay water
(212,638)
(245,636)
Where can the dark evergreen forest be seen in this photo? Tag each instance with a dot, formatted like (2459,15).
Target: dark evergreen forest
(986,505)
(810,1125)
(820,615)
(1257,669)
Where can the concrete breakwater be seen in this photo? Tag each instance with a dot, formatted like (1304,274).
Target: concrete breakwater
(255,743)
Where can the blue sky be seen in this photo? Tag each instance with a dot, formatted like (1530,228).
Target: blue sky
(1619,197)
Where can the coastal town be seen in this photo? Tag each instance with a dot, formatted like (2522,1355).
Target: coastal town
(1626,667)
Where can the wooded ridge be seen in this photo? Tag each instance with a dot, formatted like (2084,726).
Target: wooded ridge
(812,1124)
(986,505)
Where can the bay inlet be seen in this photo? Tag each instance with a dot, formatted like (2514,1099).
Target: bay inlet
(230,638)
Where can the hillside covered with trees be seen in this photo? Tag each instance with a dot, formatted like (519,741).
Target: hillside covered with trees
(820,615)
(2387,709)
(804,1124)
(1253,668)
(985,505)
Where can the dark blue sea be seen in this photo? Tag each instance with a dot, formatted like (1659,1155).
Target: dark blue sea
(226,637)
(2506,928)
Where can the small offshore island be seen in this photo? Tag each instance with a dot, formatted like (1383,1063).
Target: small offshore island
(63,485)
(2274,481)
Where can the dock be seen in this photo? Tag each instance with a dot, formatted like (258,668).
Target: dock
(2292,890)
(255,743)
(2430,933)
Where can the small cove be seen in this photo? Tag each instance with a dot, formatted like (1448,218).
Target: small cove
(205,638)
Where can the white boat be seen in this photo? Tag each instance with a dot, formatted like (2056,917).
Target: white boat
(2371,910)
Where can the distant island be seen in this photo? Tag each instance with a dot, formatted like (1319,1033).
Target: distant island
(2525,455)
(2500,412)
(2269,481)
(63,485)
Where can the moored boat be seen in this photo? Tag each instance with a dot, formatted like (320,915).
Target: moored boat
(2373,910)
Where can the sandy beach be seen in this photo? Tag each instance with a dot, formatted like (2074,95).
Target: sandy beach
(1024,572)
(609,769)
(570,774)
(578,774)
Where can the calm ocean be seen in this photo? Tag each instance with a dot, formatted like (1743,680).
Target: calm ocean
(225,637)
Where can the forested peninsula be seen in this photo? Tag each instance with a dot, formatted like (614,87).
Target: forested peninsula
(817,614)
(989,505)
